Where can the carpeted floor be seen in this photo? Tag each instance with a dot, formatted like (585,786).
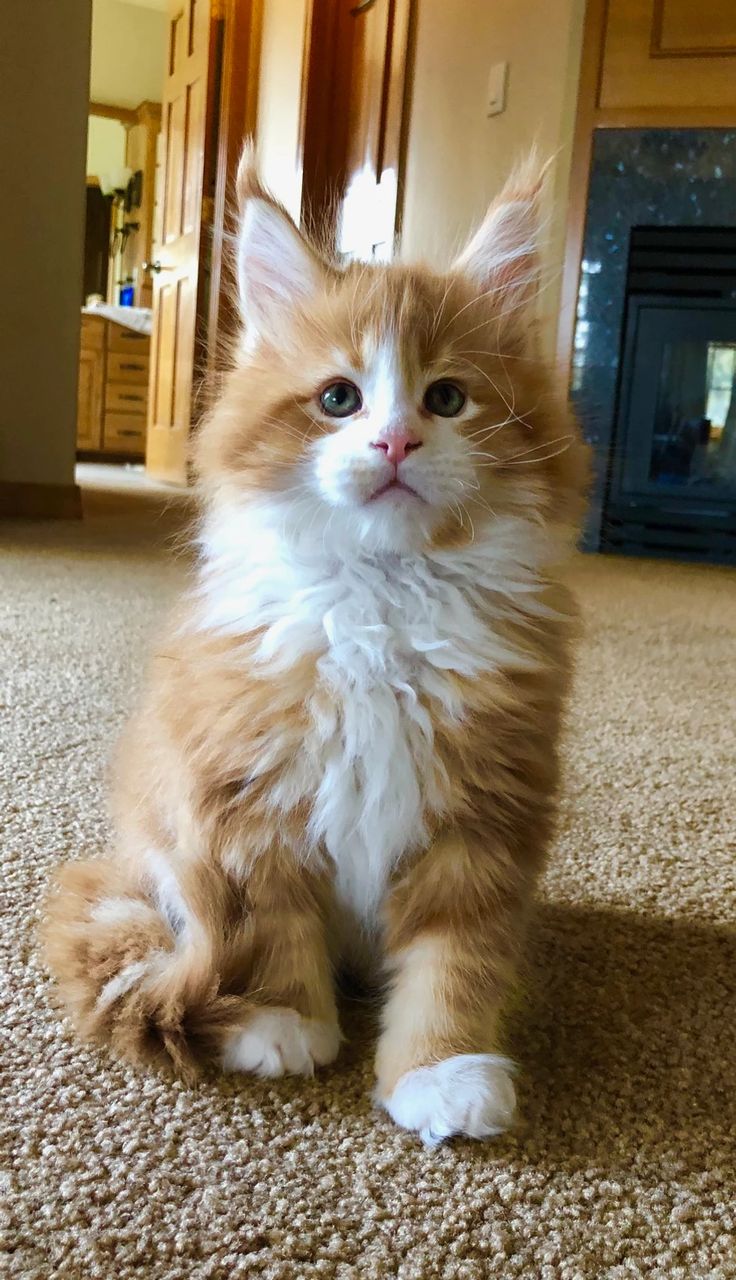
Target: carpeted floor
(624,1162)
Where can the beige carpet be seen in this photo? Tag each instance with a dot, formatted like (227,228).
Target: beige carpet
(624,1163)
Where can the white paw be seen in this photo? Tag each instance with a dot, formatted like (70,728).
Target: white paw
(470,1094)
(277,1042)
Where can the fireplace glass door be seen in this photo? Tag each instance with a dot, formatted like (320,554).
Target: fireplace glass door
(677,420)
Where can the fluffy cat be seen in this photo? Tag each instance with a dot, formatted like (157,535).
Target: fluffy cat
(346,752)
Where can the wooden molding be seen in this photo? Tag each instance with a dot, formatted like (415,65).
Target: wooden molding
(591,66)
(126,115)
(148,112)
(237,121)
(40,501)
(665,118)
(659,50)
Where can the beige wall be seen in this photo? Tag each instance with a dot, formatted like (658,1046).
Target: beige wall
(457,156)
(105,145)
(279,95)
(128,53)
(44,61)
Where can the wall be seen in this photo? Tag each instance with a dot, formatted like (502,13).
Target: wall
(44,59)
(128,53)
(105,146)
(279,97)
(457,157)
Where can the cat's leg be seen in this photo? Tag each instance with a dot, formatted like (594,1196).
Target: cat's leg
(454,927)
(286,953)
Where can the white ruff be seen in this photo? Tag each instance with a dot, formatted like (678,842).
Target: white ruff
(389,629)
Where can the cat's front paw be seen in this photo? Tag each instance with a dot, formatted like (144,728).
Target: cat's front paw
(470,1094)
(277,1042)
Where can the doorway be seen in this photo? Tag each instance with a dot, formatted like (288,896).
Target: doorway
(322,86)
(127,56)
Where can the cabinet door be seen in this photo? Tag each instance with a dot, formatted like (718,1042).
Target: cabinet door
(89,408)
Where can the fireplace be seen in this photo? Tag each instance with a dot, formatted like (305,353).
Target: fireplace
(671,484)
(653,361)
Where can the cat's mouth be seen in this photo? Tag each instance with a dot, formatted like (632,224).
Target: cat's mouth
(395,486)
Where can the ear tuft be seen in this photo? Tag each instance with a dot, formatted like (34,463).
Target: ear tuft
(503,254)
(247,181)
(278,271)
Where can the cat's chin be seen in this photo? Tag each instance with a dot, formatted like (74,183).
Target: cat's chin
(395,522)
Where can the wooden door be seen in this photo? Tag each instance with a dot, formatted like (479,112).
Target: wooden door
(355,118)
(371,205)
(175,267)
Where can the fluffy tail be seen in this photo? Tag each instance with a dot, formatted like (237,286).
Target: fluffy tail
(127,981)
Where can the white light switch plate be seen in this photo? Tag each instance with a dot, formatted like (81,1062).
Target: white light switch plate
(497,81)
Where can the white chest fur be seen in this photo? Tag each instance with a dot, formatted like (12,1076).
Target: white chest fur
(388,630)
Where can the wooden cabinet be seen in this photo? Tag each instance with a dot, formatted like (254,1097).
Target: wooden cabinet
(89,411)
(113,389)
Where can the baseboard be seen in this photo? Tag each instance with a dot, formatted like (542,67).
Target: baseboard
(40,501)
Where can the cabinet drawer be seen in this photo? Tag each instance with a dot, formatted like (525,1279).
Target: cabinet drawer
(125,433)
(126,397)
(128,366)
(119,339)
(93,333)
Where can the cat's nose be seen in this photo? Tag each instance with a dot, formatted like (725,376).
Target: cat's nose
(397,445)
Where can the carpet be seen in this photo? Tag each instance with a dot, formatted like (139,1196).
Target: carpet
(624,1160)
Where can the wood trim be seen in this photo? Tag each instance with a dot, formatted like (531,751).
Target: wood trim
(302,125)
(591,67)
(238,110)
(40,501)
(398,105)
(148,112)
(665,118)
(126,115)
(658,50)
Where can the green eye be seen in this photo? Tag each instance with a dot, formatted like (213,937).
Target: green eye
(340,399)
(444,398)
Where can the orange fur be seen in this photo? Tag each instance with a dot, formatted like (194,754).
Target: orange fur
(249,923)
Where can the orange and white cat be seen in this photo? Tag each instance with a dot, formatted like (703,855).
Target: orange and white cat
(346,753)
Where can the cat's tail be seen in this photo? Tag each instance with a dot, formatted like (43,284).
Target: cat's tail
(127,980)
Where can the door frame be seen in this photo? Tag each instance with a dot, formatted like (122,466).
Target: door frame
(236,121)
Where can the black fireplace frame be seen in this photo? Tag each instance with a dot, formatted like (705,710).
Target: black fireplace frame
(642,517)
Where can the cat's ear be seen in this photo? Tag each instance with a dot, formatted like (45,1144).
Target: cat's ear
(277,269)
(502,257)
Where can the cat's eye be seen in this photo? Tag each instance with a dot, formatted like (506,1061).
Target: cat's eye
(340,399)
(444,398)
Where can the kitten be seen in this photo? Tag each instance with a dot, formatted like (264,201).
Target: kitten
(347,751)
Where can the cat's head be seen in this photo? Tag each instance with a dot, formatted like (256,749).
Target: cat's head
(388,405)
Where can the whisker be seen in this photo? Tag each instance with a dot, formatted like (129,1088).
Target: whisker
(505,312)
(519,460)
(470,521)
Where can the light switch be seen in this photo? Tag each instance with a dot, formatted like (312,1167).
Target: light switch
(497,81)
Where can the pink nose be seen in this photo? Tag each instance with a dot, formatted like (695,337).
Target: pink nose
(397,445)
